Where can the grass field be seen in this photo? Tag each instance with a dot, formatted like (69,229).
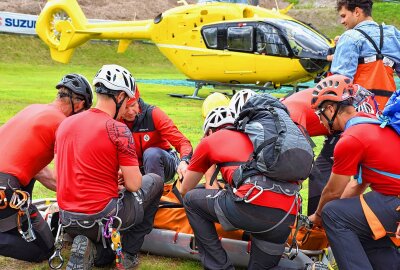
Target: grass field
(28,75)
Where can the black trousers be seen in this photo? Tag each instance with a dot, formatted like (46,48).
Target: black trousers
(161,162)
(137,220)
(14,246)
(351,238)
(199,206)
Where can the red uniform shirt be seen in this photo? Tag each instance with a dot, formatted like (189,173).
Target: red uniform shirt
(373,147)
(27,141)
(299,106)
(154,128)
(90,148)
(231,146)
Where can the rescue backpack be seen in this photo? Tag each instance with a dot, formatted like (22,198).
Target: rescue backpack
(281,150)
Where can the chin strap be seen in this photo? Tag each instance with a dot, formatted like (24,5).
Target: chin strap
(117,105)
(330,121)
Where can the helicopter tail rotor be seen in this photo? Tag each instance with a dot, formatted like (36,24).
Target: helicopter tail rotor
(58,26)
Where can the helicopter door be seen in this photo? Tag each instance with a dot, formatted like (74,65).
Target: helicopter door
(274,56)
(239,54)
(270,42)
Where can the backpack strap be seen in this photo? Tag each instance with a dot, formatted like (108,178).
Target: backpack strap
(388,174)
(306,134)
(223,164)
(366,120)
(176,192)
(363,120)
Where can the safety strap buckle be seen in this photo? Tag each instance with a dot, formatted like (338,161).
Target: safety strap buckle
(255,186)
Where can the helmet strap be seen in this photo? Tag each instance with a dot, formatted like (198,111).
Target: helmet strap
(117,105)
(330,121)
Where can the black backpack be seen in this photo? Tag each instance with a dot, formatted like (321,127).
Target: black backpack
(281,151)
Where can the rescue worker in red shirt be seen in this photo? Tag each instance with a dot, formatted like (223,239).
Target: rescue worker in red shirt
(367,53)
(366,150)
(27,147)
(303,115)
(157,140)
(90,150)
(206,206)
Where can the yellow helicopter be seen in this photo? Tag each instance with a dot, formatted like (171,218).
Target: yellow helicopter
(210,41)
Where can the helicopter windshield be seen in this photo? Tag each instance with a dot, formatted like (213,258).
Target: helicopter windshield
(304,42)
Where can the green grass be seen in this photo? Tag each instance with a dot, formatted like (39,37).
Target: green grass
(27,75)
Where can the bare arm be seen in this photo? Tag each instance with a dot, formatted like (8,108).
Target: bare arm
(353,189)
(132,178)
(190,181)
(47,177)
(332,191)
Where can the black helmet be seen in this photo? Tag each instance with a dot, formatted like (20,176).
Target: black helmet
(79,85)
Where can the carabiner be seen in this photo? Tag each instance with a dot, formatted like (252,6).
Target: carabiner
(56,255)
(260,191)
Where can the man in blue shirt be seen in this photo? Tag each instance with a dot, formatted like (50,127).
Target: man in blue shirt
(367,53)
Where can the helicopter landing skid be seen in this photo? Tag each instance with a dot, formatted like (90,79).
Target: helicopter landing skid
(218,85)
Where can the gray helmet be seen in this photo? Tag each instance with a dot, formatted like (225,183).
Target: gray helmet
(79,85)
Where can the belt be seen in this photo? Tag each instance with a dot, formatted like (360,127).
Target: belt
(8,180)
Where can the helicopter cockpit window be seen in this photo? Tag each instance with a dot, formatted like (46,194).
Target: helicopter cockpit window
(240,38)
(304,42)
(210,36)
(269,42)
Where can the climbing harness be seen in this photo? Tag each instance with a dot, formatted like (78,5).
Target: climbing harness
(20,201)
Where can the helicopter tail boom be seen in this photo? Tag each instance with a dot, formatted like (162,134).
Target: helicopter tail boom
(62,25)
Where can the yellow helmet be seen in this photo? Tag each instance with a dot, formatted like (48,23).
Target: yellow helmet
(213,101)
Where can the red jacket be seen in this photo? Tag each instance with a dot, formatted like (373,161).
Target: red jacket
(153,128)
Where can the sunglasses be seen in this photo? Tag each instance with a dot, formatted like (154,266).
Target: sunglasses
(319,112)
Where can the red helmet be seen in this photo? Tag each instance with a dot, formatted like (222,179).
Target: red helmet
(336,88)
(134,98)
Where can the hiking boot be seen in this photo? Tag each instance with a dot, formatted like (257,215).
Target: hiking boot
(83,252)
(128,261)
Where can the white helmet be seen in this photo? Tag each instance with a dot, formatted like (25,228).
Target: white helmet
(239,99)
(115,78)
(218,117)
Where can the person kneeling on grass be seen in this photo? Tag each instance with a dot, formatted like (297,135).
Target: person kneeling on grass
(157,140)
(206,206)
(90,150)
(27,147)
(371,152)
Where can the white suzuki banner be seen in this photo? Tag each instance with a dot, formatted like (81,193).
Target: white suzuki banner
(17,23)
(23,23)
